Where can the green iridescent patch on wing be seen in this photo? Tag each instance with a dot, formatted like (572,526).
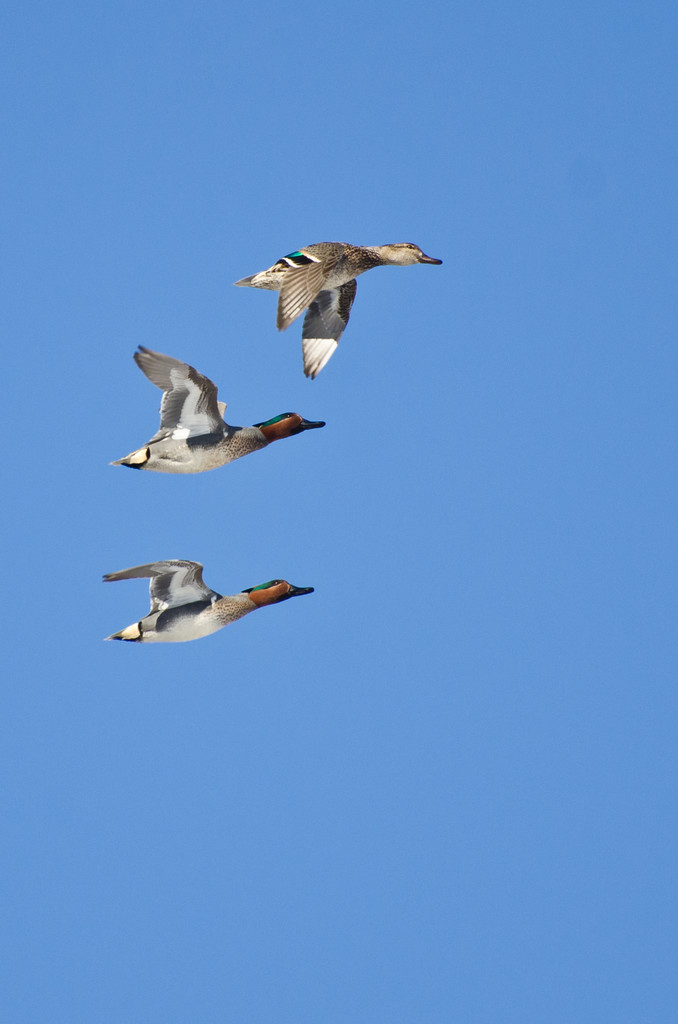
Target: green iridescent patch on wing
(300,259)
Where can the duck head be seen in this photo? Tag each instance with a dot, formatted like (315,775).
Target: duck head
(274,592)
(404,254)
(286,425)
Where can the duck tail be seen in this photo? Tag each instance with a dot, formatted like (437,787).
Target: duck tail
(135,460)
(132,633)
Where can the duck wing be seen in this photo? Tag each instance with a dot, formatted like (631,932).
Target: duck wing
(189,406)
(303,280)
(324,324)
(173,583)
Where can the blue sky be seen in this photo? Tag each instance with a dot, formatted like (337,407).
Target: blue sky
(443,786)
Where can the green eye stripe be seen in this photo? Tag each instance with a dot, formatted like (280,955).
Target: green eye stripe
(276,419)
(262,586)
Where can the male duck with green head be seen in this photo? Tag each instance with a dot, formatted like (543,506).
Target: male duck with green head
(193,435)
(184,608)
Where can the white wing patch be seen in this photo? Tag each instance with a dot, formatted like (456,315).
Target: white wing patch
(181,433)
(317,353)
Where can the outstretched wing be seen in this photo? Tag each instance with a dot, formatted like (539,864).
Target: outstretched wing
(189,406)
(173,583)
(324,324)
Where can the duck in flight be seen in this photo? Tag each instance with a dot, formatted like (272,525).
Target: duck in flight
(321,279)
(184,608)
(193,435)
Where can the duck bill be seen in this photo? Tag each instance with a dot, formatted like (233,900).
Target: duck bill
(297,592)
(429,259)
(309,425)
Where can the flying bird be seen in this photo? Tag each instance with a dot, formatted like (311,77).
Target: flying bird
(193,435)
(321,279)
(184,608)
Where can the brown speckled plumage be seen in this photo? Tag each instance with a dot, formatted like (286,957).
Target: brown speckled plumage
(320,278)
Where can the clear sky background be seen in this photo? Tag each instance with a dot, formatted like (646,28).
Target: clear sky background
(443,787)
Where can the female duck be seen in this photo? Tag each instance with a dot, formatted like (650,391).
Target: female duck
(321,279)
(183,608)
(193,436)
